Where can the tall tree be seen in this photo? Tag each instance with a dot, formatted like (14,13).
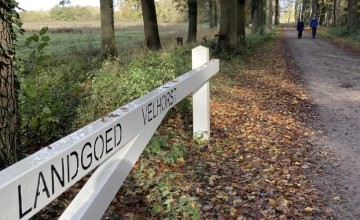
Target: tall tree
(323,18)
(240,14)
(108,45)
(305,11)
(151,29)
(333,12)
(227,34)
(314,8)
(336,4)
(269,13)
(297,10)
(9,120)
(192,15)
(216,13)
(352,14)
(258,15)
(277,12)
(212,14)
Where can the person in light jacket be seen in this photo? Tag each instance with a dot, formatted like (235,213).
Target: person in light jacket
(313,25)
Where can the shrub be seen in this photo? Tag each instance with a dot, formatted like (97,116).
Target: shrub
(70,13)
(253,40)
(345,32)
(115,84)
(34,16)
(50,91)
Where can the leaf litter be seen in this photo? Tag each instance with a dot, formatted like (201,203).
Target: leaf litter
(257,162)
(255,166)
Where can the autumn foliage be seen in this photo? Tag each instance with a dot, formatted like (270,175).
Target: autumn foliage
(257,164)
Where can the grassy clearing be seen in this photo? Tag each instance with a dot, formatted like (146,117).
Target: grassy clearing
(85,37)
(67,38)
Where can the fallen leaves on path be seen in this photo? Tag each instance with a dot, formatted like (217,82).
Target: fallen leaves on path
(259,120)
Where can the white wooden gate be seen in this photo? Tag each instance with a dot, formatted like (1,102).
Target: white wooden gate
(111,144)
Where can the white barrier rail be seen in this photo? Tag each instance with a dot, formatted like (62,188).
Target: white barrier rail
(114,142)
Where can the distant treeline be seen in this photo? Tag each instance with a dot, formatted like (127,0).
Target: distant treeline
(165,13)
(61,13)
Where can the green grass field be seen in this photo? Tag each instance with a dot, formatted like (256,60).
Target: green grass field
(85,37)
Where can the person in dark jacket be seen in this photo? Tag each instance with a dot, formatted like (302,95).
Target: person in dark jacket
(300,28)
(313,25)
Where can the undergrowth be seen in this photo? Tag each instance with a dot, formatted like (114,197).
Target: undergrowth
(114,84)
(352,34)
(344,37)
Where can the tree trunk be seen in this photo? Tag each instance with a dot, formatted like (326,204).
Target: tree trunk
(152,38)
(258,15)
(314,8)
(323,20)
(297,10)
(9,120)
(269,13)
(307,10)
(303,9)
(108,45)
(216,13)
(277,12)
(255,15)
(227,34)
(192,28)
(240,21)
(212,13)
(342,14)
(352,14)
(336,12)
(330,13)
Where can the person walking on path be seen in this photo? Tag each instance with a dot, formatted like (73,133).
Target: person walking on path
(300,28)
(313,25)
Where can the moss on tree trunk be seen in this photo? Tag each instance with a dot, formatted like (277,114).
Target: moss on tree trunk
(9,152)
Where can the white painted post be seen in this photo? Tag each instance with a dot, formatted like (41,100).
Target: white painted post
(201,98)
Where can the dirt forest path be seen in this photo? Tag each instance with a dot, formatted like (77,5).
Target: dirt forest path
(332,76)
